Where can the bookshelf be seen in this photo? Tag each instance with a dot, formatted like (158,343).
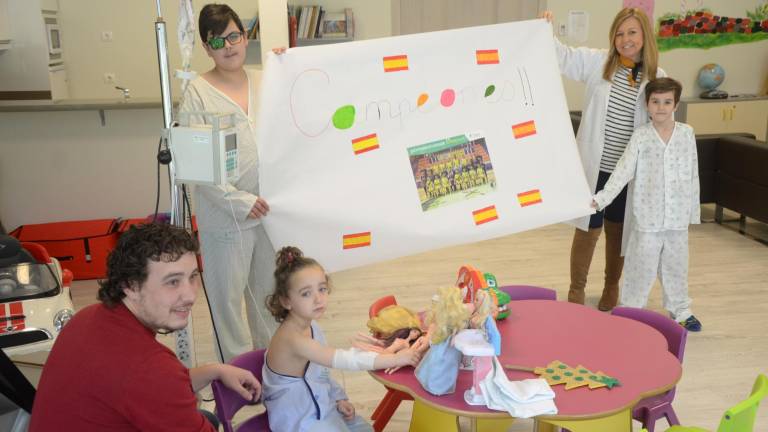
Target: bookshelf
(305,25)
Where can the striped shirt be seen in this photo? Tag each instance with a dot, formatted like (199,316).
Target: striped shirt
(620,118)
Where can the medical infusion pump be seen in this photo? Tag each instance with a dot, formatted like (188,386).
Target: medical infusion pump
(205,154)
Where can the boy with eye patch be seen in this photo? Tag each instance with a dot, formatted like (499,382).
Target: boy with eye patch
(238,256)
(661,160)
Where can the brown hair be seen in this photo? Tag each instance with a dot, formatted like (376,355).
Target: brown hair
(128,263)
(650,52)
(663,85)
(290,260)
(214,19)
(402,333)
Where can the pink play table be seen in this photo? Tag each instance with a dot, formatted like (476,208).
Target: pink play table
(540,331)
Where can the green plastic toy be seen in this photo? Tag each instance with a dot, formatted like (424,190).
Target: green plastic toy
(502,297)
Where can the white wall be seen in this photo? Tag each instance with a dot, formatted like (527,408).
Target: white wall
(64,165)
(132,55)
(24,67)
(746,65)
(418,16)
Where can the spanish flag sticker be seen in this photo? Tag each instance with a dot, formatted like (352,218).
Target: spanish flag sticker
(396,63)
(351,241)
(530,197)
(522,130)
(487,56)
(485,215)
(365,143)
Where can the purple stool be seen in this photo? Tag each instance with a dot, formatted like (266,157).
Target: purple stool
(528,292)
(653,408)
(228,402)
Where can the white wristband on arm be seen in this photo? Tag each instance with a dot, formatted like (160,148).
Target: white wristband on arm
(353,359)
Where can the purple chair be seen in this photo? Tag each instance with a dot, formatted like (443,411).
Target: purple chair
(228,402)
(528,292)
(653,408)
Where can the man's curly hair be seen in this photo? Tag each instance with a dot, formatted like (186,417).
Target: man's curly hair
(128,263)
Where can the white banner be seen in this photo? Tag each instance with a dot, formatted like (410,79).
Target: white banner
(383,148)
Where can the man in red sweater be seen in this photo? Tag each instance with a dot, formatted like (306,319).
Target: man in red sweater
(107,371)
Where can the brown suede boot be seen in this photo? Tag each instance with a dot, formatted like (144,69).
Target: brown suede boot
(582,249)
(614,263)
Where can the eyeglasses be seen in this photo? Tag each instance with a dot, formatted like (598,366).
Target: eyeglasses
(217,42)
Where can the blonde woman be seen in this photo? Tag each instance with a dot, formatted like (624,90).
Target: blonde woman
(614,106)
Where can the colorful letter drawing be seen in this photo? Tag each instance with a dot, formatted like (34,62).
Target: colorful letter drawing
(423,141)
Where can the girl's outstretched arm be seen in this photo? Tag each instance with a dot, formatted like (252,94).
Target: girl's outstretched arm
(352,358)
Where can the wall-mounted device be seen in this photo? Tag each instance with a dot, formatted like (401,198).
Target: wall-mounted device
(54,38)
(205,154)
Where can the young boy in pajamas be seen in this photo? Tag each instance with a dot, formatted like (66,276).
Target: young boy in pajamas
(661,158)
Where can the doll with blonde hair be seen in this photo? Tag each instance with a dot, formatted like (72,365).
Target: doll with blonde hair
(393,329)
(439,369)
(448,315)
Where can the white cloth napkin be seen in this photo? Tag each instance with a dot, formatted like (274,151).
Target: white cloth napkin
(521,399)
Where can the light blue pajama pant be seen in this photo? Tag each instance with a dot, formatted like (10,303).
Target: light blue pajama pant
(662,254)
(233,263)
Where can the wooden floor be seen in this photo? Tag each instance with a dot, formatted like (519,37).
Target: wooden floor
(728,281)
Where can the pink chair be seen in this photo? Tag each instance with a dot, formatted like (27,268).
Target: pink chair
(653,408)
(228,402)
(528,292)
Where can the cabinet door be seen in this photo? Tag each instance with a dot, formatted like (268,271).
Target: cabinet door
(5,25)
(59,83)
(707,118)
(50,5)
(418,16)
(749,116)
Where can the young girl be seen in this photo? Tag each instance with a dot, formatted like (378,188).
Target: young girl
(299,393)
(661,158)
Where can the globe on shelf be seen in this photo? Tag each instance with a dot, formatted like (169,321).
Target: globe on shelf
(711,75)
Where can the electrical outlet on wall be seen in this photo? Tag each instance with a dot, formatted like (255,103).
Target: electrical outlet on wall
(184,348)
(109,78)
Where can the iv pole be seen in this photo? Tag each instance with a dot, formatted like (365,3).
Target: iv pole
(184,339)
(165,93)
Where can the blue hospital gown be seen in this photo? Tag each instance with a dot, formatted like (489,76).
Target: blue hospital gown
(306,403)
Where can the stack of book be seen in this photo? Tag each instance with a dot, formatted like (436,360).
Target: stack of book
(313,22)
(252,28)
